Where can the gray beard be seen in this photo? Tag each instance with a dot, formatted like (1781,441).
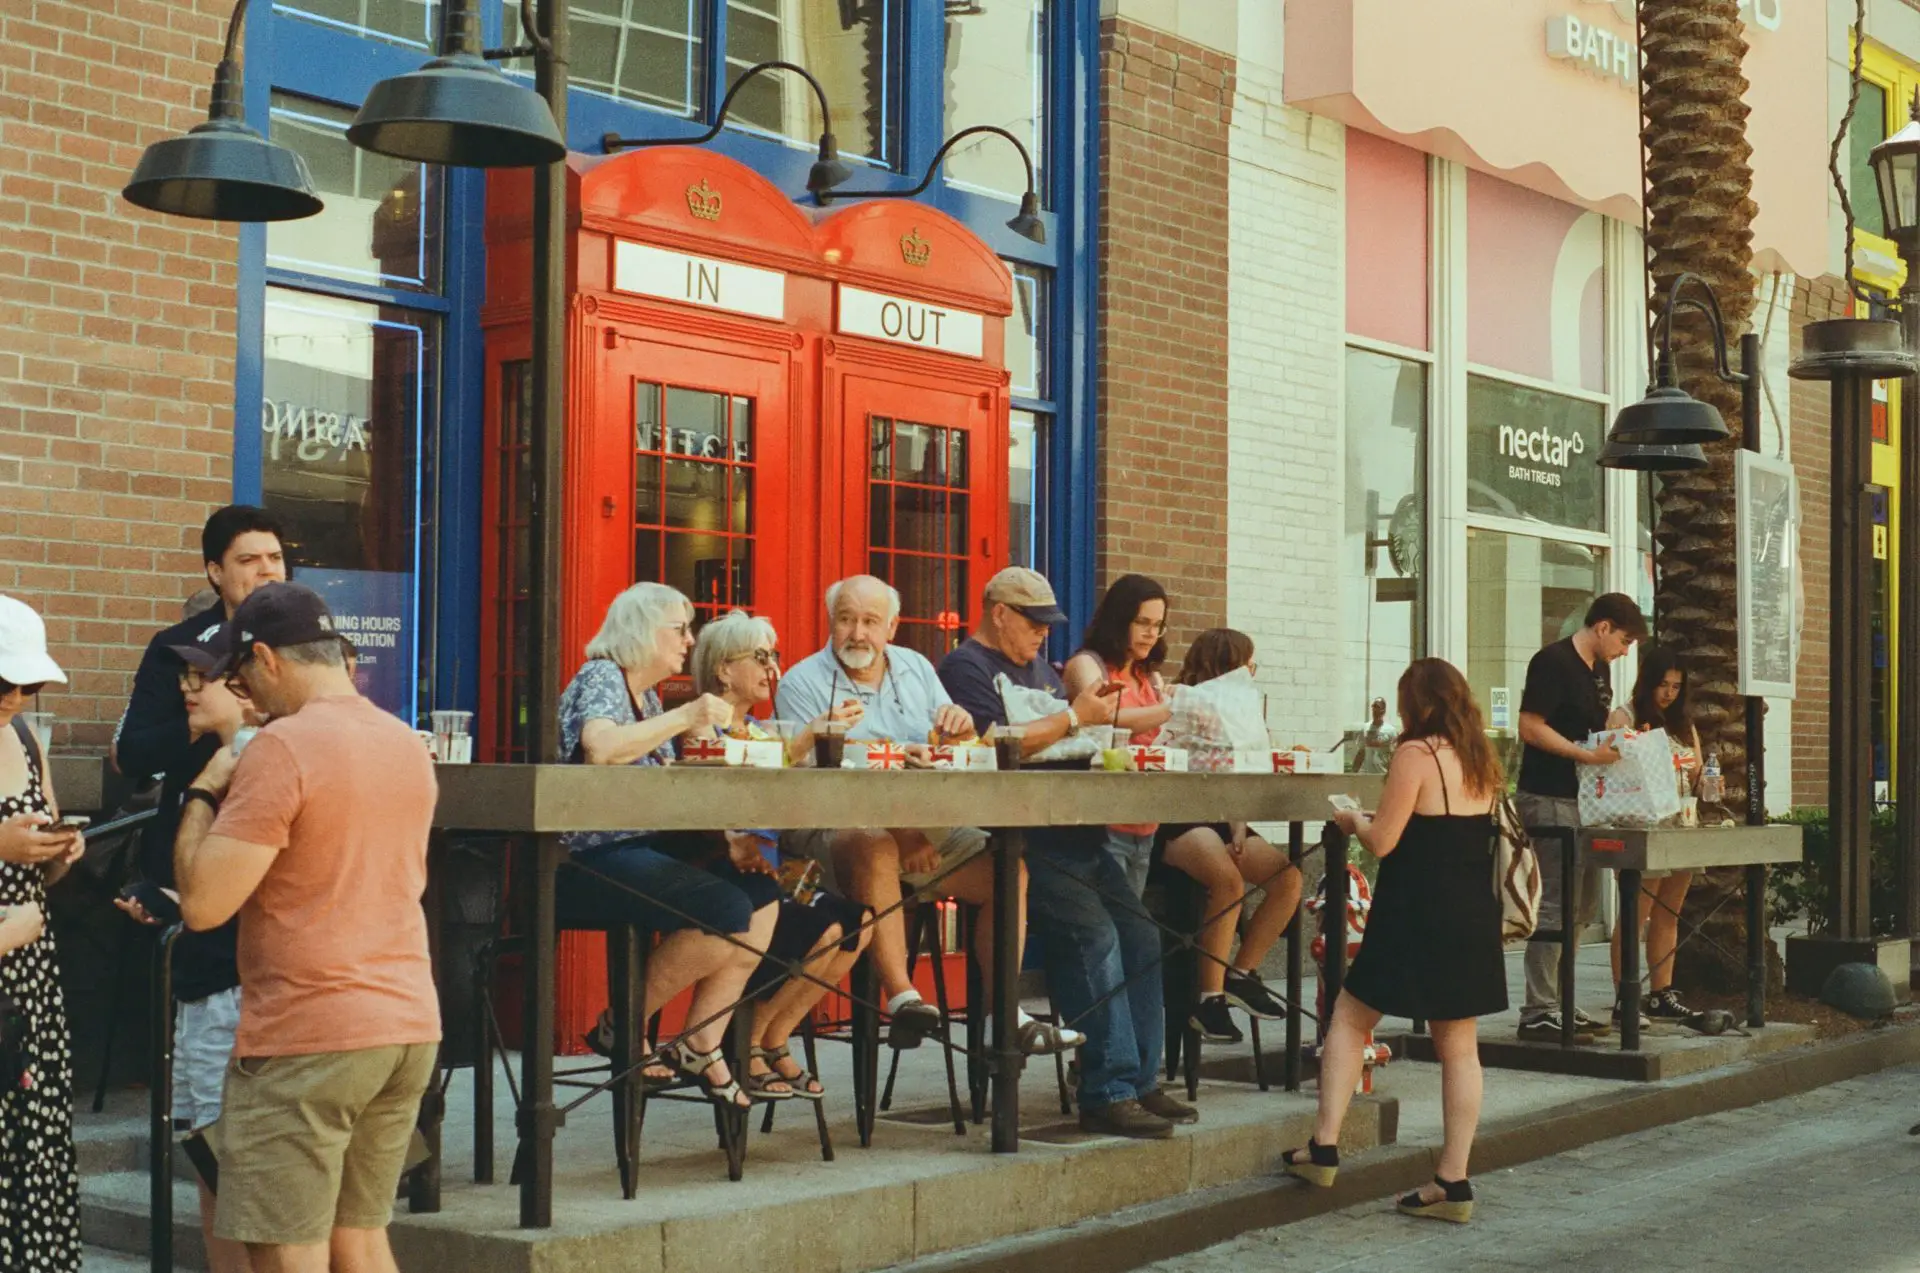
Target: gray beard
(856,660)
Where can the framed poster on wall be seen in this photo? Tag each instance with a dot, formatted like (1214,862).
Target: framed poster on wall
(1767,563)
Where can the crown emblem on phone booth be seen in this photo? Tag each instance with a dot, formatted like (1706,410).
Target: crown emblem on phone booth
(915,250)
(703,201)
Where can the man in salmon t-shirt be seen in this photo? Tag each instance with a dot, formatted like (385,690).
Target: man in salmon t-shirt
(317,837)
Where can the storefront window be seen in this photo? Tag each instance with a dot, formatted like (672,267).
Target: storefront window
(348,390)
(415,23)
(1026,332)
(648,51)
(693,495)
(845,43)
(918,528)
(1384,547)
(1536,286)
(1523,592)
(997,74)
(1026,447)
(1869,129)
(1530,455)
(381,223)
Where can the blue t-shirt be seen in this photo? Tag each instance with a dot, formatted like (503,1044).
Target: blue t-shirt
(968,674)
(901,707)
(598,691)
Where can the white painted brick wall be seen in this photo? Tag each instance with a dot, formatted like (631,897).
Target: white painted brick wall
(1286,310)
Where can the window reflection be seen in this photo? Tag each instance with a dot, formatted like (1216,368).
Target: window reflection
(411,22)
(381,223)
(843,42)
(1026,446)
(649,51)
(996,74)
(693,489)
(1026,332)
(919,528)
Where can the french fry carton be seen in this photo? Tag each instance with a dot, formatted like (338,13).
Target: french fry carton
(704,751)
(877,755)
(1152,759)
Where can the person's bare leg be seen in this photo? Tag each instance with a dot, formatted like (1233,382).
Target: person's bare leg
(1263,866)
(223,1254)
(973,884)
(1202,856)
(362,1251)
(1662,926)
(1340,1064)
(775,1020)
(313,1258)
(871,866)
(1646,934)
(715,993)
(1457,1044)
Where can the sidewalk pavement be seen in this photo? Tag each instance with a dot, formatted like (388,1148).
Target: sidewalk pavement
(1821,1179)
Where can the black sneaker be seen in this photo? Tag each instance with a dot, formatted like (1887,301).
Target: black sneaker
(1125,1118)
(1584,1024)
(1545,1028)
(912,1022)
(1617,1014)
(1213,1018)
(1161,1105)
(1248,993)
(1665,1005)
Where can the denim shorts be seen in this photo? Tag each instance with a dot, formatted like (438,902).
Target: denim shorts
(202,1046)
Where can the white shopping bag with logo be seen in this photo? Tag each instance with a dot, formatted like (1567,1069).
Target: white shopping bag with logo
(1638,790)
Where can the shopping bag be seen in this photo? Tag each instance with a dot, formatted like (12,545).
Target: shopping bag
(1638,790)
(1025,706)
(1216,720)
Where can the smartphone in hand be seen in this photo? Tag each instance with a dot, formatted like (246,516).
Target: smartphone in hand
(153,900)
(1344,804)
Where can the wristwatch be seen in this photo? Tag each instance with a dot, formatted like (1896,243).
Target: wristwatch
(1073,723)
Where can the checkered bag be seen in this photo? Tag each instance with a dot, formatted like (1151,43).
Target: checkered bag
(1636,791)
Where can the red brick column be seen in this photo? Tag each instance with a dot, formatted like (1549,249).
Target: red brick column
(1165,106)
(1812,454)
(116,337)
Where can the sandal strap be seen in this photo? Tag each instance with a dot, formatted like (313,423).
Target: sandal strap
(687,1061)
(781,1053)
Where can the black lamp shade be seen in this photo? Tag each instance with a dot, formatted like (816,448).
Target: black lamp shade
(827,171)
(223,171)
(1652,457)
(1668,416)
(458,110)
(1027,223)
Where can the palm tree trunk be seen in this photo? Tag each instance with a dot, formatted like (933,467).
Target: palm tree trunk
(1700,221)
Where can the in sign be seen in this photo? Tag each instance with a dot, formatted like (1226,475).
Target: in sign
(699,280)
(910,322)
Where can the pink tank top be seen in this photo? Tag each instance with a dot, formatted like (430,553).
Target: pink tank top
(1136,690)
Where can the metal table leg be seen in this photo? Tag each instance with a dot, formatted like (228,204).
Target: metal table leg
(1756,944)
(1569,927)
(1010,849)
(1296,952)
(539,1119)
(1629,987)
(160,1111)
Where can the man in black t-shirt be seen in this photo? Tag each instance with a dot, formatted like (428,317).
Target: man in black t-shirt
(1567,698)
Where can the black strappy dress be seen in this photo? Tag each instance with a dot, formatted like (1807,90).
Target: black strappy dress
(1432,948)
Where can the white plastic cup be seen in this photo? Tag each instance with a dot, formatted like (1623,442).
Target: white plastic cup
(449,727)
(41,723)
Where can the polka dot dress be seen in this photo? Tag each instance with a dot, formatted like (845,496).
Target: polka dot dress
(39,1183)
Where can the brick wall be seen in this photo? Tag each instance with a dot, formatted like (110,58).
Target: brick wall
(1165,105)
(116,337)
(1812,445)
(1288,306)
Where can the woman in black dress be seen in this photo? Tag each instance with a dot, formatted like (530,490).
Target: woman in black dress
(1432,948)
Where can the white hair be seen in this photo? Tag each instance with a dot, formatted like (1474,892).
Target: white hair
(733,635)
(631,631)
(854,581)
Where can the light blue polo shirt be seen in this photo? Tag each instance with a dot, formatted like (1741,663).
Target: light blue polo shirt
(901,707)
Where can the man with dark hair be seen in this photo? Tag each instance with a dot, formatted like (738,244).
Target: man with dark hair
(242,548)
(317,835)
(1567,698)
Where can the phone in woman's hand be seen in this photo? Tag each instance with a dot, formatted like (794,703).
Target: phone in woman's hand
(1344,804)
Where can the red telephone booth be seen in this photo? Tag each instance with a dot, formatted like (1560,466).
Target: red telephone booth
(763,398)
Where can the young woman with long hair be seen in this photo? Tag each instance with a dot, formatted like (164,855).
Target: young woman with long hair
(1433,937)
(1660,702)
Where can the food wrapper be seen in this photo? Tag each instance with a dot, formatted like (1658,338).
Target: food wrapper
(757,753)
(961,756)
(1299,760)
(883,754)
(1154,759)
(705,751)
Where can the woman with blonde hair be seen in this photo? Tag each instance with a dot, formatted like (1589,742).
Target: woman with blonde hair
(1433,937)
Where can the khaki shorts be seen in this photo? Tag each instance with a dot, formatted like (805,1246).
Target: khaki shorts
(957,846)
(308,1144)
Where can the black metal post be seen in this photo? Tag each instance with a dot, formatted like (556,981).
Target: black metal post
(1010,847)
(864,1024)
(1756,706)
(547,434)
(1906,778)
(1333,926)
(1757,943)
(1628,991)
(423,1184)
(539,1119)
(1296,953)
(160,1110)
(1850,742)
(1569,927)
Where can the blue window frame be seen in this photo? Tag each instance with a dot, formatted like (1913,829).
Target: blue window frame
(331,52)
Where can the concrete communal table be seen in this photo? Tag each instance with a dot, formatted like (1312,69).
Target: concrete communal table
(540,802)
(1636,851)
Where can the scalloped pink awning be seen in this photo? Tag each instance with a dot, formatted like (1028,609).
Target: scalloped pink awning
(1480,83)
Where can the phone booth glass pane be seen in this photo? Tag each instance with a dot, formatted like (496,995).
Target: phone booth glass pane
(919,509)
(693,489)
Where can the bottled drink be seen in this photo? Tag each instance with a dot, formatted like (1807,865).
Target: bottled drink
(1712,790)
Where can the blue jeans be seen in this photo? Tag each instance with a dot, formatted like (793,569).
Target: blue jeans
(1134,853)
(1102,956)
(634,883)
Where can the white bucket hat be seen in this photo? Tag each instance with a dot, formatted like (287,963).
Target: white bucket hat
(23,646)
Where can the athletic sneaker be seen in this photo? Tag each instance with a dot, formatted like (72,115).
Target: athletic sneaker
(1213,1018)
(1589,1025)
(1644,1022)
(1248,993)
(1545,1028)
(1665,1005)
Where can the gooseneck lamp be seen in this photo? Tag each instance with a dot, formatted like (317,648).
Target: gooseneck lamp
(1026,223)
(1663,432)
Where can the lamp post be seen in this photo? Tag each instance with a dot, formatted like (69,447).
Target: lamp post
(1026,223)
(1896,170)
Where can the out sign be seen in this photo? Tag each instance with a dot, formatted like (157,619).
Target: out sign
(909,322)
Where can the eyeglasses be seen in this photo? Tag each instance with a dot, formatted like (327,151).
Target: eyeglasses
(1155,626)
(192,682)
(765,658)
(8,687)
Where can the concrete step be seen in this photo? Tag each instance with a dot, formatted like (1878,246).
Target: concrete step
(100,1260)
(113,1216)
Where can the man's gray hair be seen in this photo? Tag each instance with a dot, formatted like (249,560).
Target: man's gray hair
(635,619)
(733,635)
(331,652)
(855,581)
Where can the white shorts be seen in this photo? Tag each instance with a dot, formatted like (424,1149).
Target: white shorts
(202,1045)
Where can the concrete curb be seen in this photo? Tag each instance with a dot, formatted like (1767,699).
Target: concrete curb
(1134,1238)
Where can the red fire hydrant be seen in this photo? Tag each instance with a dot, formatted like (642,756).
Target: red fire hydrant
(1359,903)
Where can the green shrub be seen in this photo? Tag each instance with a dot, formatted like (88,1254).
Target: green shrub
(1804,889)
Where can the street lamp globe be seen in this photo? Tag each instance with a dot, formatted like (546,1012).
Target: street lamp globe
(1896,171)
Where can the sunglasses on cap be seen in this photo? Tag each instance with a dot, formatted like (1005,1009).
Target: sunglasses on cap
(7,687)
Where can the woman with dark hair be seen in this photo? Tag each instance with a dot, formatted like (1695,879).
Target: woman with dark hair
(1433,936)
(1660,702)
(1227,860)
(1122,650)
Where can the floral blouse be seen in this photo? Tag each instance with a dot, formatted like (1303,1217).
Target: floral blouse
(598,691)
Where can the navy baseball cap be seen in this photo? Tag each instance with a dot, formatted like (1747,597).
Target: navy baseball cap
(209,648)
(276,615)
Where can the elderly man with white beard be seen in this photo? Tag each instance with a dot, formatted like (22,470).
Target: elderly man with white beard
(890,691)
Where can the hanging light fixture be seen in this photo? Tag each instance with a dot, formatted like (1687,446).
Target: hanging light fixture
(1026,223)
(1669,416)
(1652,457)
(1896,171)
(223,170)
(827,171)
(458,110)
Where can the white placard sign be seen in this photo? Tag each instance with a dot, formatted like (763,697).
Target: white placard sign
(698,280)
(1766,499)
(1500,707)
(883,317)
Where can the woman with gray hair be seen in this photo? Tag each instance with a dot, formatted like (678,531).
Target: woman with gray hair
(671,883)
(738,658)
